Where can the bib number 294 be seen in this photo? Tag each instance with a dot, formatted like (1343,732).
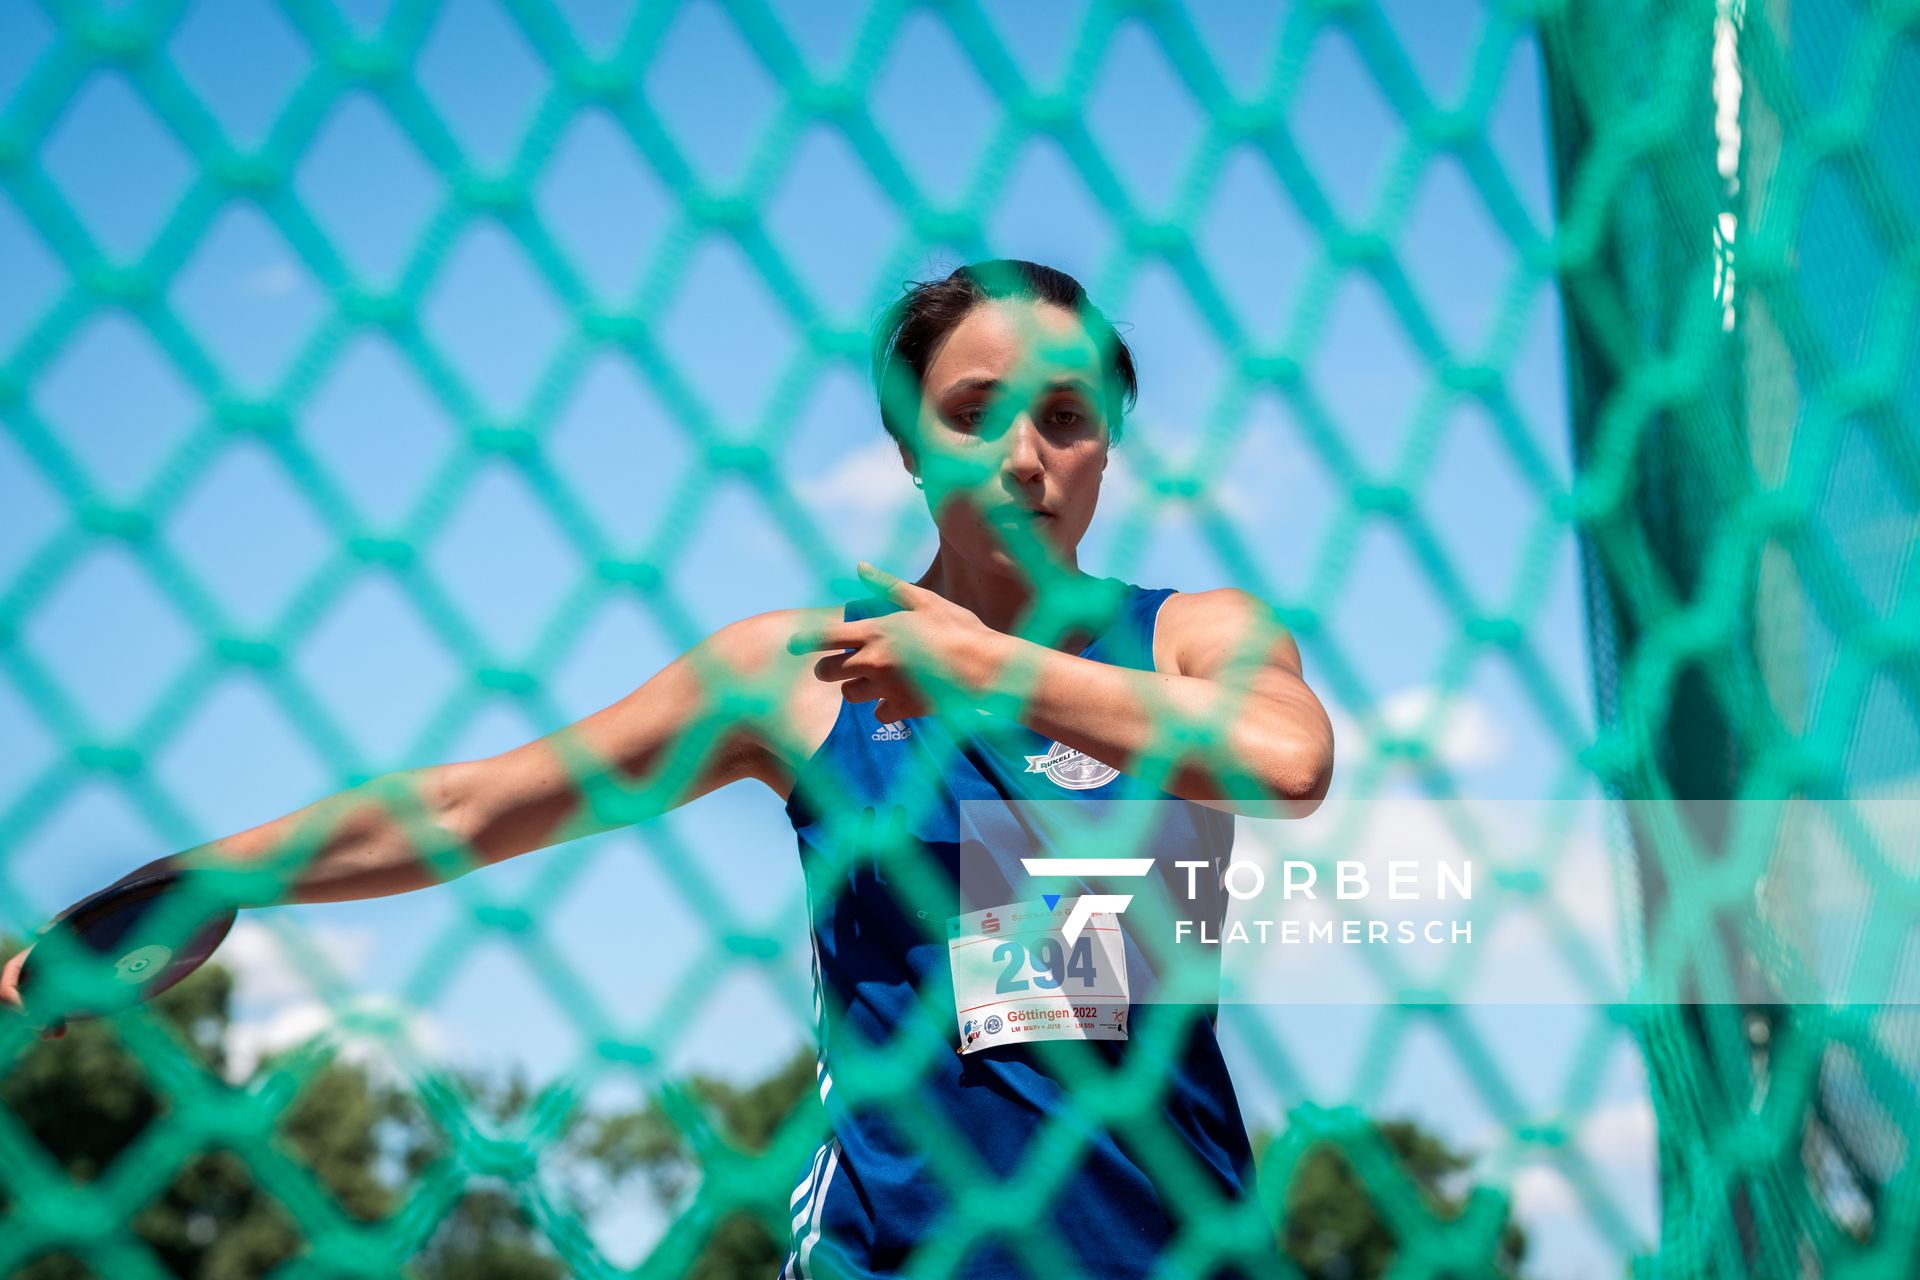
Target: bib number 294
(1016,978)
(1047,965)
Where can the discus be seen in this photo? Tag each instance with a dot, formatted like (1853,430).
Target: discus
(119,947)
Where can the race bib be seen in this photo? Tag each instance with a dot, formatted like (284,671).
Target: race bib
(1016,978)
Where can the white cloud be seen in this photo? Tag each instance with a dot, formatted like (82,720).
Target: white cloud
(270,281)
(1540,1190)
(1264,471)
(277,1005)
(1620,1134)
(1468,734)
(869,481)
(250,1040)
(1617,1141)
(414,1034)
(1469,737)
(267,968)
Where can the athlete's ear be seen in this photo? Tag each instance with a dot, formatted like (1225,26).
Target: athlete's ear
(906,459)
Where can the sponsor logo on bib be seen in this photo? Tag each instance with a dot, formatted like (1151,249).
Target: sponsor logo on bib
(1072,768)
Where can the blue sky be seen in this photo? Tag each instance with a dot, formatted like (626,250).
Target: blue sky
(374,444)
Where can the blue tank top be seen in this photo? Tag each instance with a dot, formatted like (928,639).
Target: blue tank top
(874,1193)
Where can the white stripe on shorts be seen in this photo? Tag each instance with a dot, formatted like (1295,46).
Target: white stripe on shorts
(819,1202)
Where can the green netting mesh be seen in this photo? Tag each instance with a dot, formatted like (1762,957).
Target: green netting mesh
(1736,190)
(1743,400)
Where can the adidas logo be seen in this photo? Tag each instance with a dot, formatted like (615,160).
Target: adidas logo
(891,732)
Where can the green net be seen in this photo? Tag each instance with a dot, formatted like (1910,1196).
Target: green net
(1742,393)
(1733,188)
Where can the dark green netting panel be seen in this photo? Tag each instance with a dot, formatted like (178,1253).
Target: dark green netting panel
(1735,193)
(1738,278)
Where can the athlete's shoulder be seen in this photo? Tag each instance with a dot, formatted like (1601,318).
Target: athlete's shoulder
(758,646)
(1199,630)
(750,642)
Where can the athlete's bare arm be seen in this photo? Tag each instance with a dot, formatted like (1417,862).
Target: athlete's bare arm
(369,839)
(1229,639)
(1220,659)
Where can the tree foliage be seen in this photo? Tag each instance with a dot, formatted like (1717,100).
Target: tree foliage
(1332,1227)
(86,1099)
(650,1143)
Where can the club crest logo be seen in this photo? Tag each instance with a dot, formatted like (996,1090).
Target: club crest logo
(1072,768)
(891,732)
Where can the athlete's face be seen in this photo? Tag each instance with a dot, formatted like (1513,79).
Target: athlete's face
(1013,433)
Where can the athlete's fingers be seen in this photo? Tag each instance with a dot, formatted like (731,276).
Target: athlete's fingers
(859,689)
(10,995)
(833,667)
(898,590)
(10,982)
(838,635)
(891,709)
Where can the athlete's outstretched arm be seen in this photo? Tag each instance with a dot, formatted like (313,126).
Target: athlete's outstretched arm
(373,840)
(1233,662)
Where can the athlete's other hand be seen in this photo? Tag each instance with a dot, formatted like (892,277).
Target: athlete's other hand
(10,994)
(877,658)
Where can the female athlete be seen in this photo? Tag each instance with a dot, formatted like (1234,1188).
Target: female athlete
(1004,388)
